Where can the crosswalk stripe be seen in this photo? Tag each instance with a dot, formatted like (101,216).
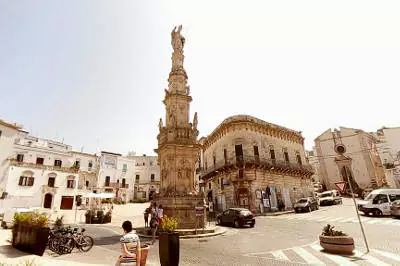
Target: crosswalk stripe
(336,219)
(280,255)
(347,220)
(308,257)
(364,220)
(388,222)
(387,255)
(335,258)
(373,222)
(370,259)
(324,219)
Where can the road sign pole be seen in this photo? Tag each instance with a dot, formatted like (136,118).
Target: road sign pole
(355,205)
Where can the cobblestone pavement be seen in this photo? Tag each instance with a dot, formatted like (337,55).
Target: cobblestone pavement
(289,239)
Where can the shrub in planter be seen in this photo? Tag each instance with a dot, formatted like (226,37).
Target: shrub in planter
(30,232)
(169,242)
(59,221)
(335,241)
(140,200)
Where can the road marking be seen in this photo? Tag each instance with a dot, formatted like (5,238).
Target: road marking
(365,220)
(324,219)
(387,255)
(373,222)
(336,219)
(388,222)
(370,259)
(279,255)
(347,220)
(335,258)
(308,257)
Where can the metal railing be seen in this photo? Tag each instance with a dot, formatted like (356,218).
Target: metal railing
(241,161)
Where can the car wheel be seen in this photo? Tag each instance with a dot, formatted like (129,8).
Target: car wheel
(317,207)
(377,213)
(236,224)
(252,224)
(219,221)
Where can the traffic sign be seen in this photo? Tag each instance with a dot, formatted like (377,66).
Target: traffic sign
(341,186)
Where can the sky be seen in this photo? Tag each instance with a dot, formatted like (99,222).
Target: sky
(92,73)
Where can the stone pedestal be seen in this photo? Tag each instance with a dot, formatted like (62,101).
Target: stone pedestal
(183,208)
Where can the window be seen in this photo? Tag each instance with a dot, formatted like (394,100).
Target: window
(286,155)
(137,178)
(152,177)
(205,164)
(256,151)
(144,164)
(87,183)
(151,163)
(39,160)
(77,164)
(0,133)
(70,183)
(239,154)
(20,158)
(298,158)
(26,181)
(272,152)
(209,185)
(57,163)
(90,165)
(124,167)
(222,184)
(225,156)
(394,197)
(380,198)
(123,182)
(117,181)
(107,183)
(51,182)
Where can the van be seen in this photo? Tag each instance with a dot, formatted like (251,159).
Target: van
(330,197)
(378,202)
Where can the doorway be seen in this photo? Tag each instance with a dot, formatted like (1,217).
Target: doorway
(48,199)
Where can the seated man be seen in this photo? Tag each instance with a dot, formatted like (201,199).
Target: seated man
(130,246)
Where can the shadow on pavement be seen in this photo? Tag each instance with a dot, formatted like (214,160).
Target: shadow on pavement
(108,240)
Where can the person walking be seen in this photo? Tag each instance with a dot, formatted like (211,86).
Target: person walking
(154,227)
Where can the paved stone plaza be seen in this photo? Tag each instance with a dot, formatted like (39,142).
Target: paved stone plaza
(289,239)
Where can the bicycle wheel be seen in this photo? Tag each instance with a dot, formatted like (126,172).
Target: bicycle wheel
(86,243)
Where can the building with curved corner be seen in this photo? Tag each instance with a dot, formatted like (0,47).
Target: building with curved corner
(247,162)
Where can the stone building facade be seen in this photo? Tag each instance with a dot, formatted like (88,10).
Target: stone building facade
(146,179)
(250,163)
(351,153)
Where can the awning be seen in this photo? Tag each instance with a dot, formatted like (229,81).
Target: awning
(100,195)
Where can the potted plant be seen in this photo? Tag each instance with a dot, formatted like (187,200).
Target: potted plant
(30,232)
(59,222)
(334,241)
(169,242)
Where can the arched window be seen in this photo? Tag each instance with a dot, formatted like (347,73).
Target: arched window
(26,179)
(52,180)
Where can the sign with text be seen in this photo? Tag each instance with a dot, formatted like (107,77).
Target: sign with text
(341,186)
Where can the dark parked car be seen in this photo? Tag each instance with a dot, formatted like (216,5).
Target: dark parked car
(306,204)
(238,217)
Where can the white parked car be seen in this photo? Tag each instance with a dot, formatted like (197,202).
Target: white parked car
(378,202)
(330,197)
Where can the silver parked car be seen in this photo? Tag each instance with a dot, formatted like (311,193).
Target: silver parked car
(395,209)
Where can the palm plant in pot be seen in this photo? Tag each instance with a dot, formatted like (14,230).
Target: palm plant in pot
(335,241)
(169,242)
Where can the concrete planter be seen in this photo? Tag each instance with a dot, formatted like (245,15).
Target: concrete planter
(337,244)
(169,249)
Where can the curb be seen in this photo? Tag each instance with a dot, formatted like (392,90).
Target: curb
(218,232)
(275,214)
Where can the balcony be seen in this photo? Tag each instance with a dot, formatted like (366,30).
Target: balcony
(49,189)
(115,185)
(71,170)
(246,162)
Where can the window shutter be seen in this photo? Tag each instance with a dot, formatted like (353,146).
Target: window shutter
(30,181)
(21,178)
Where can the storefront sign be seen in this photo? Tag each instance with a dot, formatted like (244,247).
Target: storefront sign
(199,211)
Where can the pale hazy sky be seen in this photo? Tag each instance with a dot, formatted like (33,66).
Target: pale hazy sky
(94,72)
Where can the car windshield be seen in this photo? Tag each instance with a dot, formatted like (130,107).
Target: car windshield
(370,196)
(326,194)
(245,212)
(302,201)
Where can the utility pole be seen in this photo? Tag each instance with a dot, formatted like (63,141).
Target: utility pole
(355,205)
